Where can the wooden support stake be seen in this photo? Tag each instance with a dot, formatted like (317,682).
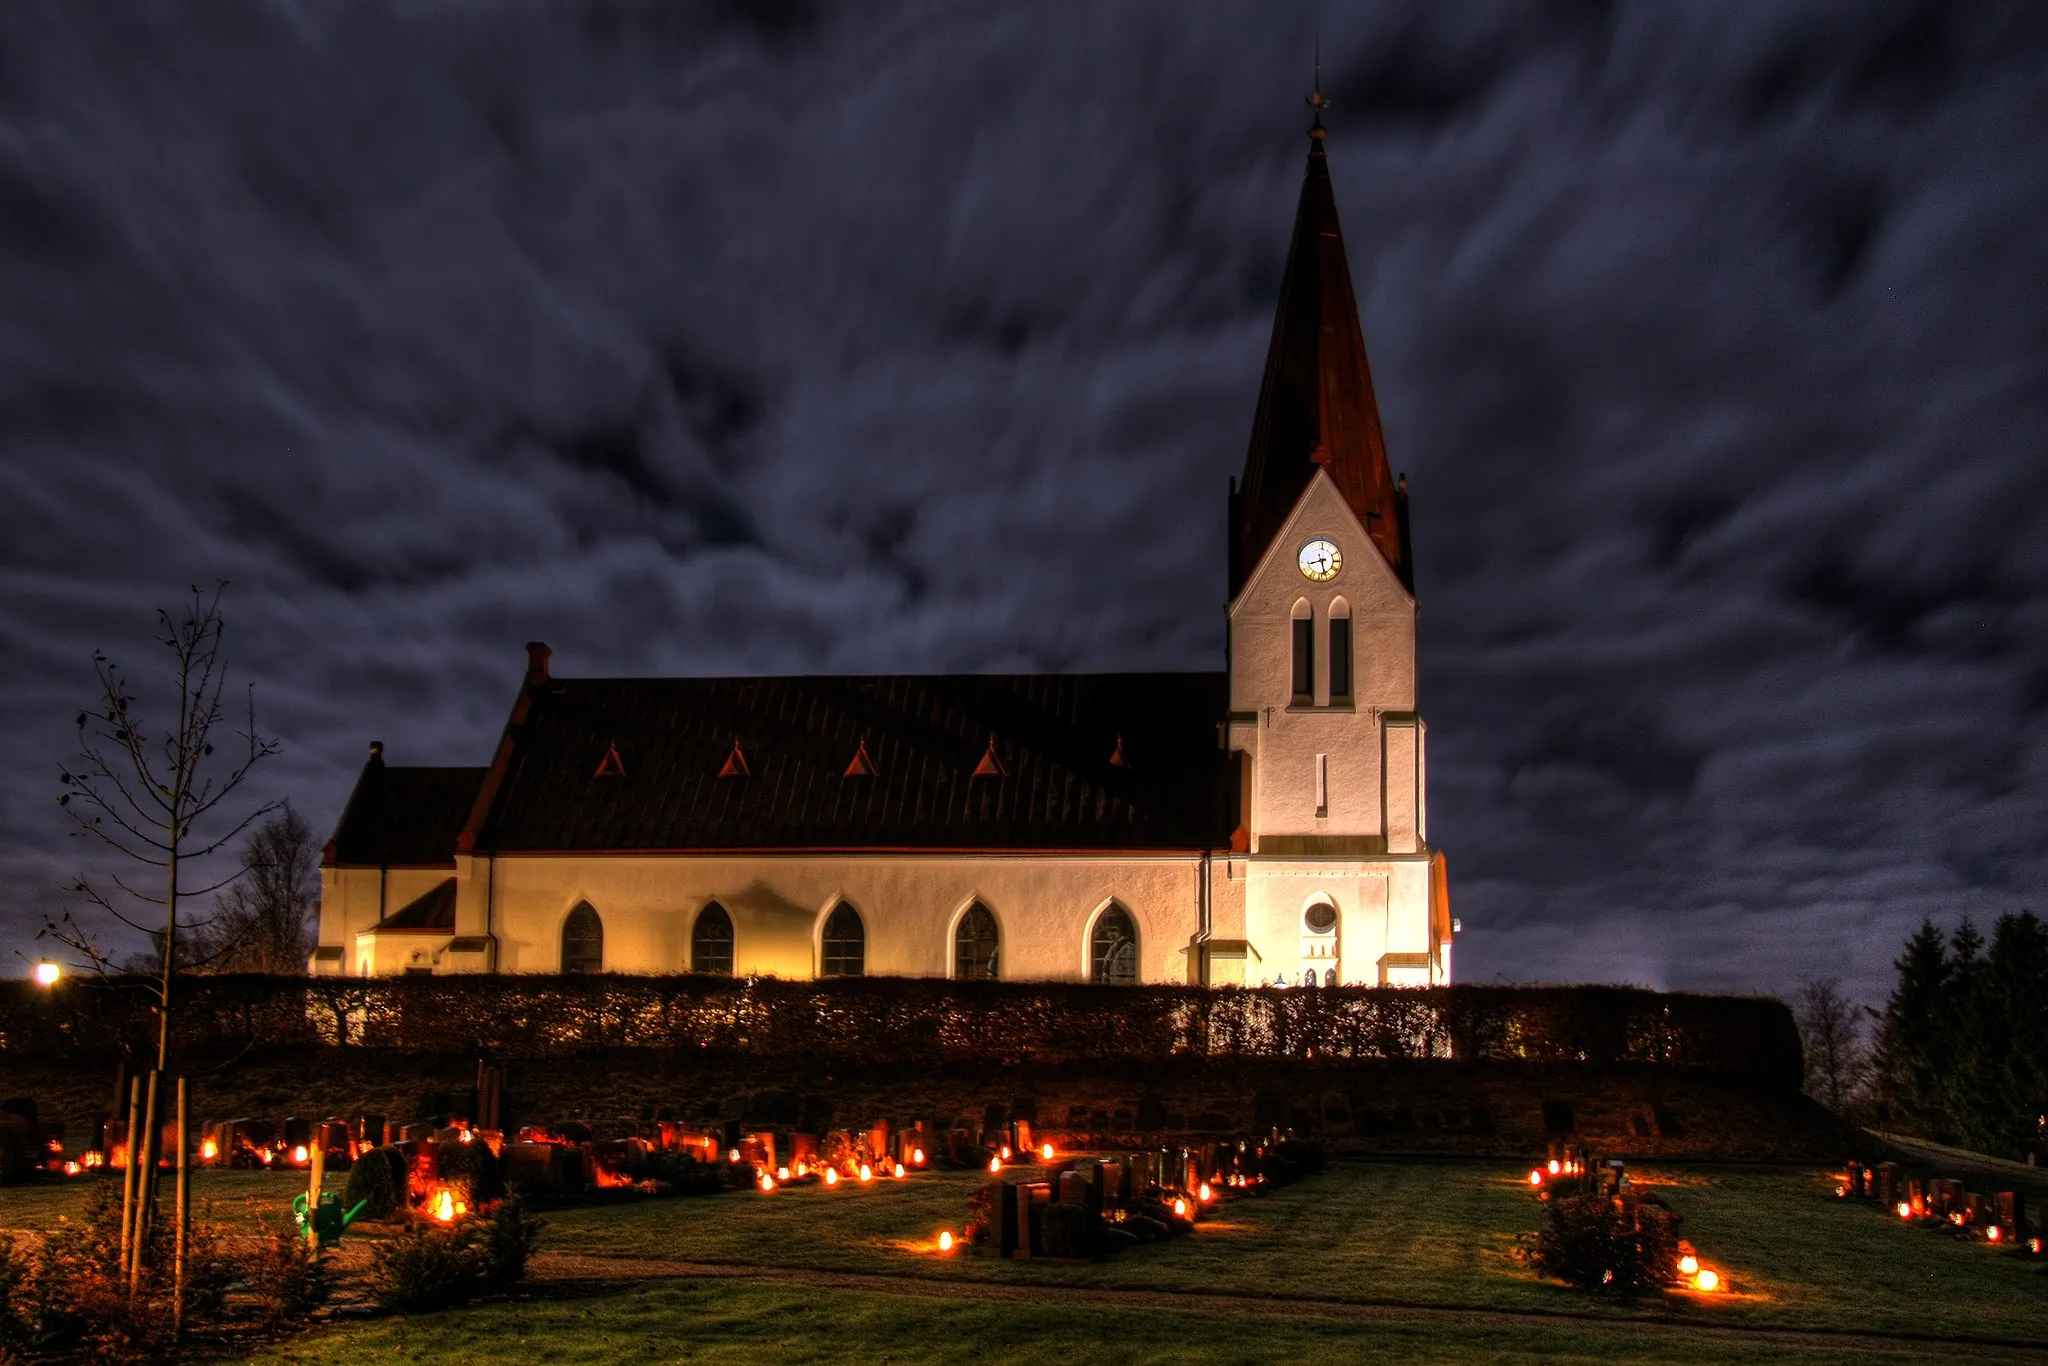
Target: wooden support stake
(145,1185)
(184,1212)
(130,1165)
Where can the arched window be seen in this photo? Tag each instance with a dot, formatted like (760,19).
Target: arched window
(583,940)
(1113,949)
(976,944)
(846,944)
(1340,651)
(711,941)
(1304,653)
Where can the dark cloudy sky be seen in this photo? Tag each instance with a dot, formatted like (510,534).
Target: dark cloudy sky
(789,337)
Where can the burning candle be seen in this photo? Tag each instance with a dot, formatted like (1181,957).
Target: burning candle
(208,1150)
(444,1207)
(1046,1152)
(945,1241)
(1180,1207)
(1554,1168)
(899,1171)
(995,1164)
(1707,1280)
(867,1173)
(1204,1194)
(767,1182)
(1005,1153)
(299,1155)
(1535,1178)
(1993,1234)
(1905,1209)
(1688,1264)
(917,1158)
(782,1173)
(831,1176)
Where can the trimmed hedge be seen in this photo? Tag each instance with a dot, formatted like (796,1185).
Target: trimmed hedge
(914,1020)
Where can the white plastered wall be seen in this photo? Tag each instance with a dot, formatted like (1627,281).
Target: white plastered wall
(909,904)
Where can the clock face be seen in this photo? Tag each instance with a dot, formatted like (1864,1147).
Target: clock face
(1320,560)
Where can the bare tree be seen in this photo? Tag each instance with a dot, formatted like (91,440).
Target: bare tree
(1837,1062)
(263,922)
(160,799)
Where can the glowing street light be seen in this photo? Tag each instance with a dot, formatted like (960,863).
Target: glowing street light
(47,973)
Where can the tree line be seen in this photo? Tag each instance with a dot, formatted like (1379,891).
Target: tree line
(1958,1054)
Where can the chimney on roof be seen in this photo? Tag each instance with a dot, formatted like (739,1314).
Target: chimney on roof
(377,753)
(537,654)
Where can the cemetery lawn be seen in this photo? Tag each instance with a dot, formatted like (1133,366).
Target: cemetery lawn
(1406,1259)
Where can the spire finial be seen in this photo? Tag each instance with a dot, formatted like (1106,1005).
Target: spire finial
(1316,100)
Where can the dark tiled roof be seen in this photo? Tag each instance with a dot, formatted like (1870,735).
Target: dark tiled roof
(434,910)
(1054,735)
(405,816)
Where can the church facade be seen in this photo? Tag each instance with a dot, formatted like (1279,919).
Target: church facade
(1266,823)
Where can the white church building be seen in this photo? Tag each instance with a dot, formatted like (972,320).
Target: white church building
(1267,823)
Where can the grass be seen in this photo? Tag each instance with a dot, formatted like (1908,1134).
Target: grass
(1359,1235)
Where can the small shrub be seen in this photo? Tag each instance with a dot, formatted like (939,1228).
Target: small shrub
(1618,1248)
(287,1275)
(377,1181)
(470,1170)
(426,1268)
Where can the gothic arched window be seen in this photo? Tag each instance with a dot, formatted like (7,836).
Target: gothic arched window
(711,941)
(976,944)
(1113,949)
(583,940)
(845,948)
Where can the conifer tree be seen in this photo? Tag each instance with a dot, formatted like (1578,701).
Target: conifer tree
(1912,1047)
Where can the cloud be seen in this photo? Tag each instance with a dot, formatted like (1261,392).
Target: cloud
(772,337)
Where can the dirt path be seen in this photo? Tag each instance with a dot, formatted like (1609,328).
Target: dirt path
(569,1267)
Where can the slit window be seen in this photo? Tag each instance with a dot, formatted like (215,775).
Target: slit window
(1304,658)
(1340,657)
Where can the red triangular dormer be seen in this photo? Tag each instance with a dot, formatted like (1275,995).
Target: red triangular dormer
(861,766)
(735,762)
(1117,758)
(990,766)
(611,766)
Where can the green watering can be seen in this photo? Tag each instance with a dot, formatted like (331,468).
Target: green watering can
(328,1222)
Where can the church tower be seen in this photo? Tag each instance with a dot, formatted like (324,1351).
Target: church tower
(1340,881)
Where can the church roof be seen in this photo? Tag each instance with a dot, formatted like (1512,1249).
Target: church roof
(403,817)
(923,737)
(432,910)
(1316,409)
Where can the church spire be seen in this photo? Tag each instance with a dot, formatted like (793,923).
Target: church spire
(1316,407)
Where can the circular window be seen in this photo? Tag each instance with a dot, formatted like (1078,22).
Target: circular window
(1321,917)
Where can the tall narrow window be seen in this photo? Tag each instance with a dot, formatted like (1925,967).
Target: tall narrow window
(1113,949)
(845,950)
(711,941)
(583,940)
(1304,654)
(976,945)
(1322,784)
(1340,651)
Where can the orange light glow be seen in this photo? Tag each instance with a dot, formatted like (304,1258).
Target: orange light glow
(1535,1178)
(917,1159)
(733,1156)
(1555,1168)
(1005,1153)
(867,1173)
(95,1159)
(208,1150)
(1688,1264)
(47,973)
(466,1136)
(831,1176)
(803,1169)
(782,1173)
(767,1182)
(945,1241)
(995,1164)
(444,1207)
(264,1155)
(899,1171)
(73,1169)
(1905,1210)
(1204,1194)
(1993,1234)
(1046,1152)
(299,1154)
(1707,1280)
(1180,1207)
